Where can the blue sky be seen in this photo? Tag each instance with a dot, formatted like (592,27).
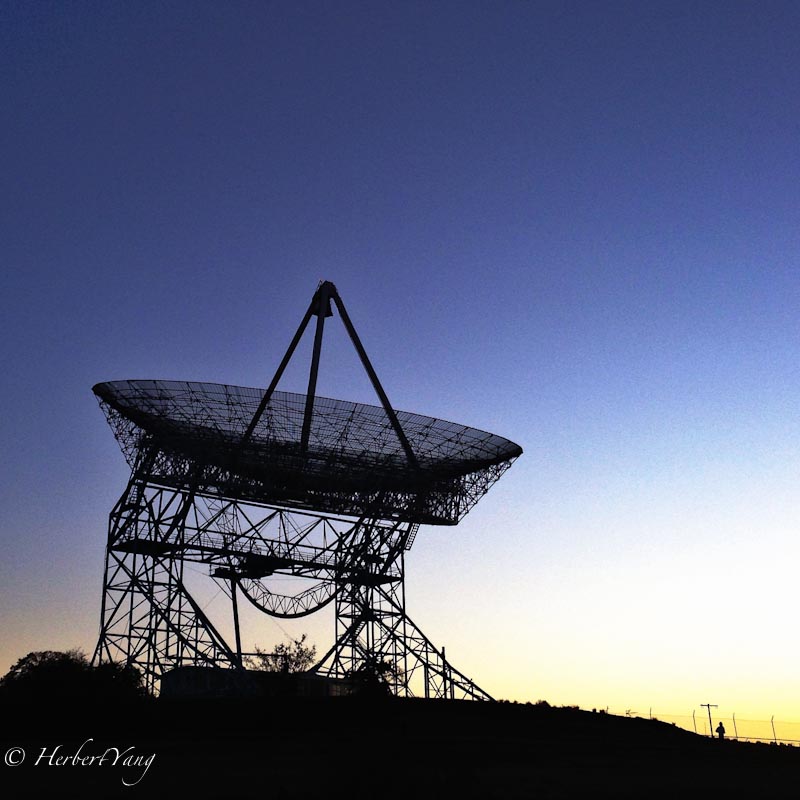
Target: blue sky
(573,224)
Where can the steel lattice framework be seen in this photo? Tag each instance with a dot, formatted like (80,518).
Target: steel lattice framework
(260,485)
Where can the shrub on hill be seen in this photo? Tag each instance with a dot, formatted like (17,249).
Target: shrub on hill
(56,675)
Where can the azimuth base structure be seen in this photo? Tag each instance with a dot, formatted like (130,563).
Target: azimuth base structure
(258,486)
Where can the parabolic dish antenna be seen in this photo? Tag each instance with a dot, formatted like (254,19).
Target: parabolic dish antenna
(258,483)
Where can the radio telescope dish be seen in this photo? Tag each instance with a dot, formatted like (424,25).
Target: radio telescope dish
(262,486)
(354,463)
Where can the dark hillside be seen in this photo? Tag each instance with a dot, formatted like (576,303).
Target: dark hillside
(382,748)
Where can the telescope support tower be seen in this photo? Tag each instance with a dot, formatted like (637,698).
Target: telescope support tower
(151,620)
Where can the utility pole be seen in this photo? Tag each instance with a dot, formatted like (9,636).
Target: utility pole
(709,706)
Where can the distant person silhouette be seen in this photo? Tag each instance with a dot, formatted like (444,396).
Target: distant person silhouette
(721,731)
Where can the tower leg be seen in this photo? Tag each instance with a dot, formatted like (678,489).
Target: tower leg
(376,642)
(149,619)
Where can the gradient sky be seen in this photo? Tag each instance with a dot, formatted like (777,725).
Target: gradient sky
(576,225)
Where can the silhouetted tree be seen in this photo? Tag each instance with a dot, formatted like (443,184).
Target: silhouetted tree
(285,658)
(375,678)
(56,675)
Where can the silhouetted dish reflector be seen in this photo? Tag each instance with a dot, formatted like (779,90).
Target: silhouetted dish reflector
(194,434)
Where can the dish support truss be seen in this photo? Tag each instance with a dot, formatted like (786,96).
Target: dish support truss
(151,619)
